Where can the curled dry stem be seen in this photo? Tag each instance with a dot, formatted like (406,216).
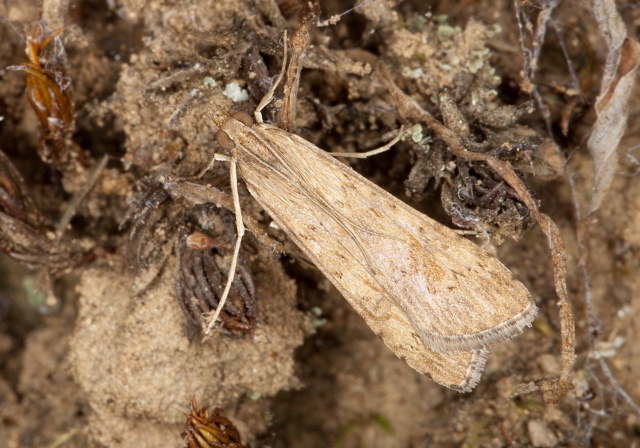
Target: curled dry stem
(300,40)
(551,388)
(201,280)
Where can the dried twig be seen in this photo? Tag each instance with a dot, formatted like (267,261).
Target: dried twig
(531,58)
(80,195)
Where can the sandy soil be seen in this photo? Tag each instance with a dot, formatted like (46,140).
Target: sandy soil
(101,353)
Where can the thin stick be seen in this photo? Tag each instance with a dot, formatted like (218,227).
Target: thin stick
(269,95)
(79,196)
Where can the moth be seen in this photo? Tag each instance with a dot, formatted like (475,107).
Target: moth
(435,299)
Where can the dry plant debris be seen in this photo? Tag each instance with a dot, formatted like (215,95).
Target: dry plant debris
(23,234)
(611,107)
(158,224)
(201,284)
(48,90)
(612,112)
(205,429)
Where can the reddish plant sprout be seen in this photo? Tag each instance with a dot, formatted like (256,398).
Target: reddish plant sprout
(49,93)
(207,430)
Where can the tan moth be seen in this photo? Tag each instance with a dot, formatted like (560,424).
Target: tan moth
(435,299)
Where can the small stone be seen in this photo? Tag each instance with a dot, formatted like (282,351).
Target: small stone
(540,434)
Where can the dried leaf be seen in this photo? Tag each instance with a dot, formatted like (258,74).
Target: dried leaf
(611,107)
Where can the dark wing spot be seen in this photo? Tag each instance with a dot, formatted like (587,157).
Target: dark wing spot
(375,212)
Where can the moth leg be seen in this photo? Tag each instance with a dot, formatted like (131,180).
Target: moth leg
(373,152)
(219,158)
(269,95)
(233,173)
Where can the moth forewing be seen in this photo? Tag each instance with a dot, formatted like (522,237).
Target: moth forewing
(460,371)
(437,300)
(457,296)
(300,218)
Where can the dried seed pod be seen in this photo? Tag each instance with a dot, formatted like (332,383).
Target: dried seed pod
(206,430)
(200,282)
(202,273)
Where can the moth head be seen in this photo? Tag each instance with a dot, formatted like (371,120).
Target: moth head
(217,116)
